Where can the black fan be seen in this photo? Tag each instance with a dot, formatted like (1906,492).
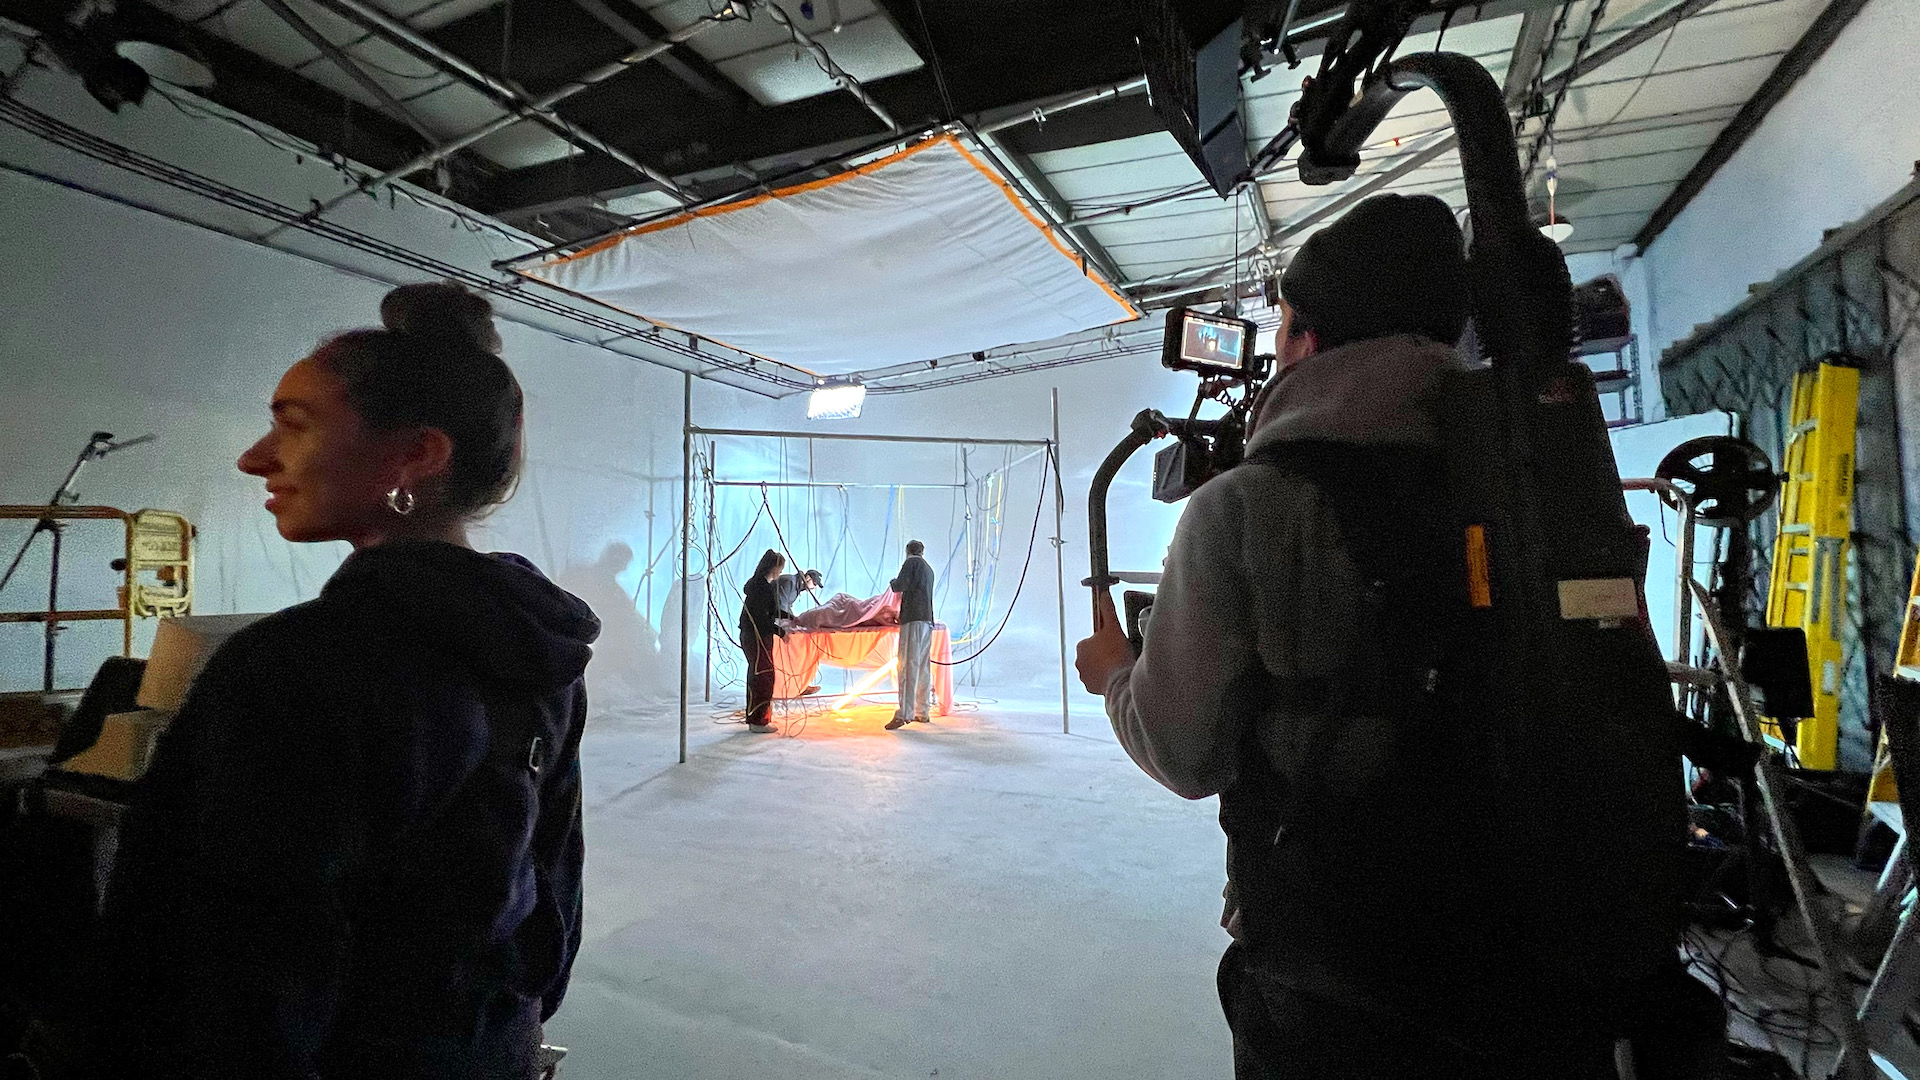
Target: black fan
(1729,479)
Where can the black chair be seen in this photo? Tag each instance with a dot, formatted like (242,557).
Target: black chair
(112,690)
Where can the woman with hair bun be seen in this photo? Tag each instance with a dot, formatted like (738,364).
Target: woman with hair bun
(358,850)
(441,304)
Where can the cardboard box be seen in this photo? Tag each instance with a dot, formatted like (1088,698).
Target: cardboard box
(181,647)
(125,747)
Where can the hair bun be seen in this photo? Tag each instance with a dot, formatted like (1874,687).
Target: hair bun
(441,309)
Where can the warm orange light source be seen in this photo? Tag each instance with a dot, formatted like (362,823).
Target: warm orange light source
(866,684)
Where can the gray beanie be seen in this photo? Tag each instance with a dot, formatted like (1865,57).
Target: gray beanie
(1394,264)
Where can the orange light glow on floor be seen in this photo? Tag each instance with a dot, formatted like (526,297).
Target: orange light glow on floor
(866,684)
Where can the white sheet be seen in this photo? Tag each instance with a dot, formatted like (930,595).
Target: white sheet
(919,255)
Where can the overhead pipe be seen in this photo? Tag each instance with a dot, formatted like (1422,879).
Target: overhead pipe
(1093,258)
(834,71)
(377,22)
(538,106)
(1040,113)
(521,108)
(401,36)
(350,68)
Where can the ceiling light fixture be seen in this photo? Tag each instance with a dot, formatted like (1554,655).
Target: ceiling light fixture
(175,62)
(117,57)
(1556,228)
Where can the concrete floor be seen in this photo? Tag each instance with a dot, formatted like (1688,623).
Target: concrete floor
(984,897)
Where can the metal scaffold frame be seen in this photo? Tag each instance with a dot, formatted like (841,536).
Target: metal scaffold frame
(689,430)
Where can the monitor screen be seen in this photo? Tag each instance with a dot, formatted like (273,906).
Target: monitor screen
(1213,342)
(1218,345)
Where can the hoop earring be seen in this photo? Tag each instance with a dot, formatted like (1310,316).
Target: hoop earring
(400,501)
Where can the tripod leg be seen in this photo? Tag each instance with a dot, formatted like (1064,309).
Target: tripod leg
(53,601)
(1854,1061)
(1896,984)
(38,528)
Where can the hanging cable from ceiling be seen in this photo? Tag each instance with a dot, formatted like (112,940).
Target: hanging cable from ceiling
(1594,15)
(933,54)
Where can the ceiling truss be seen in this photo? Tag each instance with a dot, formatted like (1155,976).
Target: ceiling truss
(1054,121)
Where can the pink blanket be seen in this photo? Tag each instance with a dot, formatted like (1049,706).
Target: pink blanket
(844,611)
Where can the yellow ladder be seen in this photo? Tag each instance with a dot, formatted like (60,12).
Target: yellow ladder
(1906,666)
(1809,585)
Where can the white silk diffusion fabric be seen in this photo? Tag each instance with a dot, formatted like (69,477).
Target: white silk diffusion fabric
(923,254)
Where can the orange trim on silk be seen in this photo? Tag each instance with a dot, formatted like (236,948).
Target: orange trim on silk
(1045,229)
(728,208)
(1006,189)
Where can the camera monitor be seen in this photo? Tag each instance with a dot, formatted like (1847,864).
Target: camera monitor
(1210,344)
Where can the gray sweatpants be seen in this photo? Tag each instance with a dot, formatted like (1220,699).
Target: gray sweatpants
(916,682)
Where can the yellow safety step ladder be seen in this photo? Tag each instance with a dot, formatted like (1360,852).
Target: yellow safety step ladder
(1906,666)
(1809,584)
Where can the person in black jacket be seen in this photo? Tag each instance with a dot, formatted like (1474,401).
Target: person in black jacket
(759,625)
(358,851)
(914,583)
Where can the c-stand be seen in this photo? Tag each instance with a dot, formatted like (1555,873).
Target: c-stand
(99,445)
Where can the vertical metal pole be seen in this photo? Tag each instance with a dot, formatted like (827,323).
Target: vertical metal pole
(1059,558)
(126,605)
(706,614)
(1683,600)
(973,569)
(1770,784)
(53,599)
(649,570)
(686,530)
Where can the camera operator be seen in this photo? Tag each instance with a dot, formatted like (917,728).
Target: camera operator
(1268,679)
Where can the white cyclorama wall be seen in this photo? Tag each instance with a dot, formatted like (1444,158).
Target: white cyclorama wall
(124,321)
(121,320)
(1841,141)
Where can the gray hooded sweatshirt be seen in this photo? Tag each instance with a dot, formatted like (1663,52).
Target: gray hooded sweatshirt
(1257,591)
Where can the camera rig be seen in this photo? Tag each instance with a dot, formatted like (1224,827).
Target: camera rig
(1572,694)
(1221,348)
(1522,313)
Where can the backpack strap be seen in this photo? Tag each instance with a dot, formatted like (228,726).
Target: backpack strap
(1389,505)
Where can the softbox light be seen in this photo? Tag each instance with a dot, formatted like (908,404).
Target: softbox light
(836,401)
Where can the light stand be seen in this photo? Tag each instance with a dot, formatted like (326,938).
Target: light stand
(99,445)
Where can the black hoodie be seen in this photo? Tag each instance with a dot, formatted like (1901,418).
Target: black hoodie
(358,851)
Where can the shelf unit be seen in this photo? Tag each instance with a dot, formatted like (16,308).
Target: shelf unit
(1621,378)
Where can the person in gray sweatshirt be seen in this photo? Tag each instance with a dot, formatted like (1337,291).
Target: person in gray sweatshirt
(1354,954)
(914,583)
(788,588)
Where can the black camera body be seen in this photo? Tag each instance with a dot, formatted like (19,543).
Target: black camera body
(1204,450)
(1222,347)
